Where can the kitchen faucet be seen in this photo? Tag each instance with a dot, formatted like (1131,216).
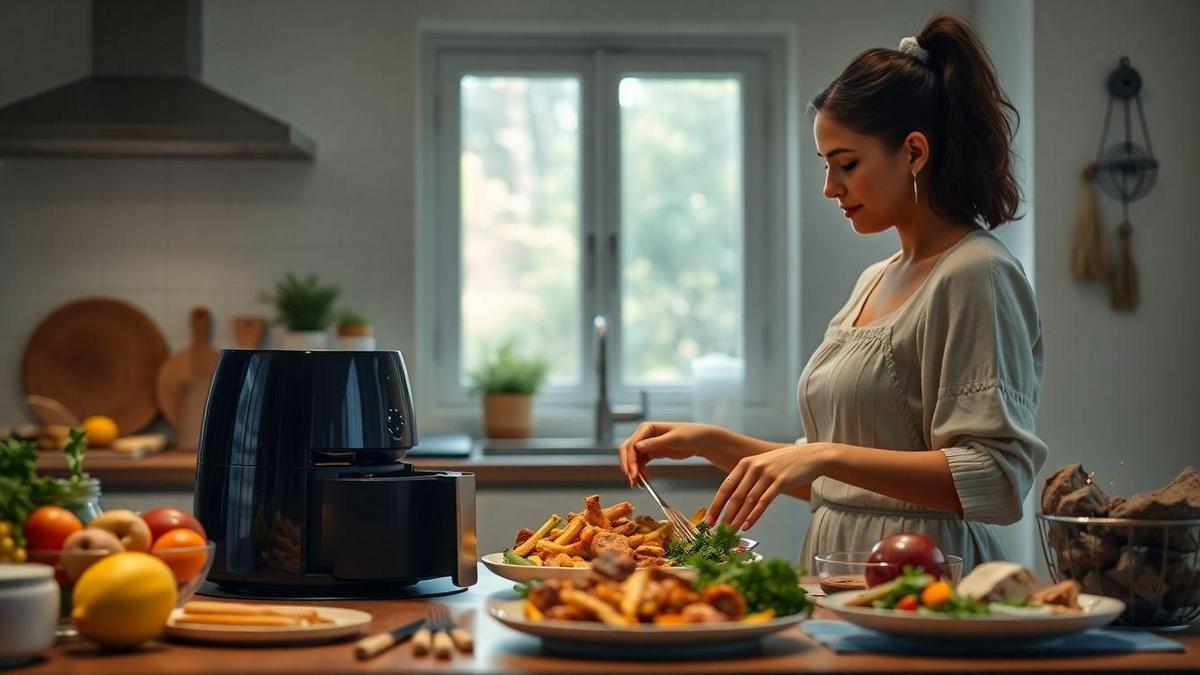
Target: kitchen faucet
(607,414)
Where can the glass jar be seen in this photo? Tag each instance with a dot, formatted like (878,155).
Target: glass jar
(85,506)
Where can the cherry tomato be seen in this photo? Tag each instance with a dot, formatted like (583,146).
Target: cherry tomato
(908,603)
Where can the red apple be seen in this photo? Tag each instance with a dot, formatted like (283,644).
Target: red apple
(899,550)
(164,519)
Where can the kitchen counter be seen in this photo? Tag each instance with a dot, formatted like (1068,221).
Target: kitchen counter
(499,649)
(176,469)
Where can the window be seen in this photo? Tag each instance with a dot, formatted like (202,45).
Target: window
(575,177)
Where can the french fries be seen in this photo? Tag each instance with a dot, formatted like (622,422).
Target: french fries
(573,542)
(527,546)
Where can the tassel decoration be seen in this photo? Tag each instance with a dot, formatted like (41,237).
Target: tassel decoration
(1089,257)
(1124,296)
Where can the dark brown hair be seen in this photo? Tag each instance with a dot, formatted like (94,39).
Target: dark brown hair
(955,100)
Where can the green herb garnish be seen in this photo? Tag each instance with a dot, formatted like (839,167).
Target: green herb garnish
(769,584)
(713,545)
(22,489)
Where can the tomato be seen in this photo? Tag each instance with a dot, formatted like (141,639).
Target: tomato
(908,603)
(183,550)
(48,527)
(898,550)
(164,519)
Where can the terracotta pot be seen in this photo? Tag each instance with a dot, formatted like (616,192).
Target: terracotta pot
(354,330)
(507,415)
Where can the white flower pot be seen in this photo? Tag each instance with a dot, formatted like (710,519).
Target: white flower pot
(306,340)
(354,343)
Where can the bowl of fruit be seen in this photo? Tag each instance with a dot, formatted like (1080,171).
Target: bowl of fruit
(163,554)
(858,570)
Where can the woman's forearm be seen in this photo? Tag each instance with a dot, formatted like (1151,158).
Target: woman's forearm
(730,447)
(921,478)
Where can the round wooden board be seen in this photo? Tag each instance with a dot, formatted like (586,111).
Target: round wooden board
(97,357)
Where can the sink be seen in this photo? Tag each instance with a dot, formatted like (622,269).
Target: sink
(543,446)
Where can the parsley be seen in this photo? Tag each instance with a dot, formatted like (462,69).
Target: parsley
(22,489)
(769,584)
(713,545)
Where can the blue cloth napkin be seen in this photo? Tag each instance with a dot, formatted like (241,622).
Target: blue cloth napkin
(847,638)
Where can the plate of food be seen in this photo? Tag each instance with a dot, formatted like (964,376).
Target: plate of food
(727,605)
(997,601)
(564,547)
(235,622)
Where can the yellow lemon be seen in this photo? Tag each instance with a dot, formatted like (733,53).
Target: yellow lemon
(123,600)
(101,431)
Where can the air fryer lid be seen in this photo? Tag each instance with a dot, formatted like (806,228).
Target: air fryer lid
(273,408)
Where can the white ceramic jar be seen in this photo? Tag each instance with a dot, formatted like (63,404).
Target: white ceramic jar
(28,611)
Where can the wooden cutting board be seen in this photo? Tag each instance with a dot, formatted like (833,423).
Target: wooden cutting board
(184,379)
(97,356)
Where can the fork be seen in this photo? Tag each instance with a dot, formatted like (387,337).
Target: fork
(680,523)
(446,635)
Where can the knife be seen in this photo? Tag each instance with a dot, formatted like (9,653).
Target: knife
(374,644)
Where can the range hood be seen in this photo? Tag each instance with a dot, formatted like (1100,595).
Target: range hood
(144,98)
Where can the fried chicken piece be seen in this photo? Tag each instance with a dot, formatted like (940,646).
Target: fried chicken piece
(595,514)
(613,564)
(1062,594)
(699,612)
(605,540)
(726,599)
(524,534)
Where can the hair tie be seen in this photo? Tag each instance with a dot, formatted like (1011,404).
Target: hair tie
(910,46)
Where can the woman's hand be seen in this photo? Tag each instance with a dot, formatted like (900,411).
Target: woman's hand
(674,440)
(756,480)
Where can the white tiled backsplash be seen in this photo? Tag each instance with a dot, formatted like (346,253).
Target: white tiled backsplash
(168,236)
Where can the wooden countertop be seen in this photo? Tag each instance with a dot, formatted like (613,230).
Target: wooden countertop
(499,649)
(176,469)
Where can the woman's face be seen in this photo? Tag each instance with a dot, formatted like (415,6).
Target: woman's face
(872,185)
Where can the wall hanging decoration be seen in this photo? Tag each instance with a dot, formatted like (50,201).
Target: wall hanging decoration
(1127,172)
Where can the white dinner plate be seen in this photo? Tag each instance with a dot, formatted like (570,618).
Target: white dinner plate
(523,574)
(512,614)
(345,622)
(1096,611)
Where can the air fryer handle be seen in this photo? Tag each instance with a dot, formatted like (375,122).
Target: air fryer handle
(467,573)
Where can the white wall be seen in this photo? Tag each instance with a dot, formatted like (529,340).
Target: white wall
(1121,390)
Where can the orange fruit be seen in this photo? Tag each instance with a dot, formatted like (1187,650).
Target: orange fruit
(48,527)
(183,550)
(101,431)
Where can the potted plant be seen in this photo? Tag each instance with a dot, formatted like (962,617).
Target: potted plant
(507,382)
(305,308)
(354,332)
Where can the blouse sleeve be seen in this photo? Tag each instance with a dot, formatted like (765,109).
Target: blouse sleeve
(981,371)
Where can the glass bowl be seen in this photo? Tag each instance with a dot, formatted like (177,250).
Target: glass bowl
(190,561)
(846,570)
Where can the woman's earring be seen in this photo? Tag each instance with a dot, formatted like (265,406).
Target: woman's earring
(915,201)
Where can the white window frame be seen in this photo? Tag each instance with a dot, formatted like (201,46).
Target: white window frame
(600,61)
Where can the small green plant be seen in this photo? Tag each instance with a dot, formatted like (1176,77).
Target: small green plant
(303,304)
(349,317)
(507,372)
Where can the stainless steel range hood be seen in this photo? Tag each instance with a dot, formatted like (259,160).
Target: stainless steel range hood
(144,98)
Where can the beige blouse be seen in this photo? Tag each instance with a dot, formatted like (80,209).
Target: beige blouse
(956,368)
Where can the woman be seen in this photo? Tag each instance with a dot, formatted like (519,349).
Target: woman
(920,403)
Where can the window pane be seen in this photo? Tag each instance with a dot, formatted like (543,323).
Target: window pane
(520,175)
(681,223)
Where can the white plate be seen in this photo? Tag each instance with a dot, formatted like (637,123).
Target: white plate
(523,574)
(345,622)
(511,614)
(1096,611)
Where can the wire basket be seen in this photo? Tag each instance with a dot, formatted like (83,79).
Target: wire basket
(1152,565)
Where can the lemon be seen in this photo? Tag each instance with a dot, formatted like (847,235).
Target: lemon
(101,431)
(124,599)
